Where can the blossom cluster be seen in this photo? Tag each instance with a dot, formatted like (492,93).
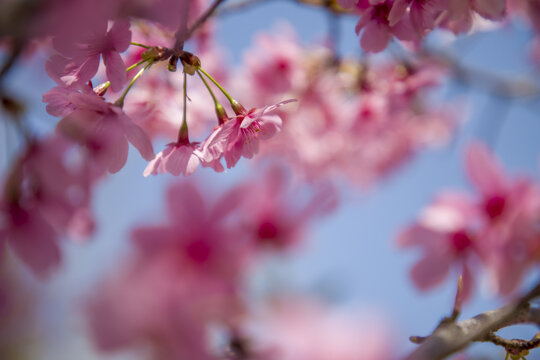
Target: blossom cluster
(496,229)
(187,275)
(355,120)
(410,21)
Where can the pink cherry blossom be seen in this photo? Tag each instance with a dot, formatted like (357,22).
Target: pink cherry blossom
(446,232)
(102,127)
(425,15)
(460,13)
(79,59)
(175,159)
(303,329)
(43,199)
(497,229)
(510,209)
(239,136)
(274,217)
(377,30)
(184,276)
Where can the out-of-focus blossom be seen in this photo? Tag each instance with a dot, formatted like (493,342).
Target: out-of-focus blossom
(186,275)
(43,199)
(446,232)
(273,217)
(99,125)
(360,122)
(301,329)
(79,58)
(497,229)
(377,29)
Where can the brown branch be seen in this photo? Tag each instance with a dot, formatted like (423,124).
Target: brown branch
(450,338)
(204,17)
(514,346)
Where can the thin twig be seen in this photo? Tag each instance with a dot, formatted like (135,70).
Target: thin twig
(204,17)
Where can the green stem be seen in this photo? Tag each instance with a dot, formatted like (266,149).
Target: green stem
(120,101)
(220,111)
(231,100)
(183,136)
(137,64)
(141,45)
(216,102)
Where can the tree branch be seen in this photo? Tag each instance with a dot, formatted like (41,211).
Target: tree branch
(450,338)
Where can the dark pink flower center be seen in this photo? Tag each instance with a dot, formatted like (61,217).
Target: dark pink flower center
(461,241)
(282,64)
(381,12)
(267,231)
(494,206)
(199,251)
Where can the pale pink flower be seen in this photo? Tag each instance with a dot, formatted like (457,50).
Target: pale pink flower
(185,276)
(239,136)
(104,129)
(424,15)
(274,217)
(42,199)
(377,30)
(446,232)
(79,59)
(176,159)
(460,13)
(303,329)
(510,208)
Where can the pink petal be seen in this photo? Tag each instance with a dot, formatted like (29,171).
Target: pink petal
(116,147)
(375,37)
(186,205)
(417,235)
(116,69)
(490,9)
(399,9)
(485,171)
(182,160)
(36,245)
(120,35)
(80,72)
(137,137)
(430,271)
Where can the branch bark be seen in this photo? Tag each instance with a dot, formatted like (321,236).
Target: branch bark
(450,338)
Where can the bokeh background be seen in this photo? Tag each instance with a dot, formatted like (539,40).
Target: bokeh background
(350,258)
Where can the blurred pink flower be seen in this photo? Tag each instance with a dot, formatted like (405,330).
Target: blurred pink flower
(274,217)
(186,274)
(378,31)
(511,212)
(102,127)
(302,329)
(44,198)
(446,232)
(79,58)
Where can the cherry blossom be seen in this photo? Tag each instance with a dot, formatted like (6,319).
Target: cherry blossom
(99,125)
(378,31)
(302,329)
(78,61)
(446,231)
(498,229)
(239,136)
(42,200)
(175,159)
